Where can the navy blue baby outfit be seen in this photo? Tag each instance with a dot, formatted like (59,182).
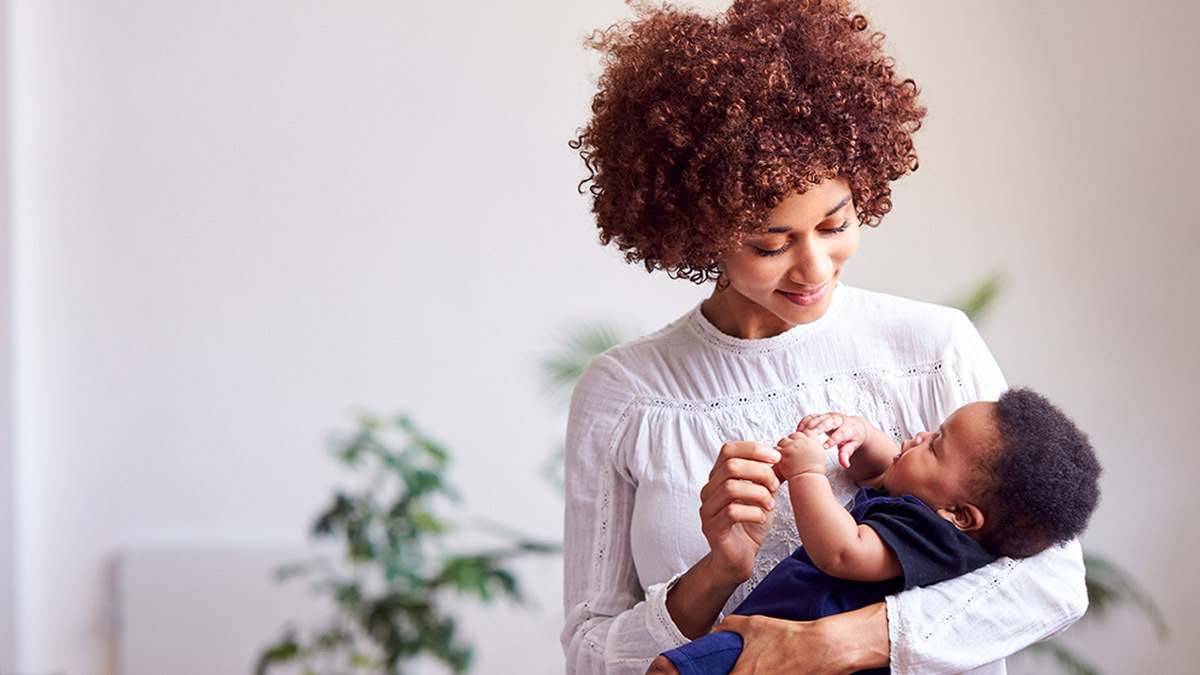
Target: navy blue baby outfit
(929,547)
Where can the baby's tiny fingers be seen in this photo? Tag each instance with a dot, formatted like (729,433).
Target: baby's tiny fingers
(808,422)
(844,452)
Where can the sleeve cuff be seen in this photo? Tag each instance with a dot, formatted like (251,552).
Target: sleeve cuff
(896,632)
(658,620)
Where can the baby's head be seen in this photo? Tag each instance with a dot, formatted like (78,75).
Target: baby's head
(1017,475)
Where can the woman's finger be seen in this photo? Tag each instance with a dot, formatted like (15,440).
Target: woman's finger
(737,491)
(741,470)
(746,450)
(730,515)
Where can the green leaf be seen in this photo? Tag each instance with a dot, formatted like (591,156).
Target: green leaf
(422,482)
(436,452)
(334,517)
(580,345)
(284,651)
(290,570)
(348,594)
(426,523)
(1066,660)
(1110,587)
(976,302)
(507,583)
(332,639)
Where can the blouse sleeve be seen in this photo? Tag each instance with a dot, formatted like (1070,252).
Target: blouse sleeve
(999,609)
(612,625)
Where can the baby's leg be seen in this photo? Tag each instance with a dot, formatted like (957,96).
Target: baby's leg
(662,666)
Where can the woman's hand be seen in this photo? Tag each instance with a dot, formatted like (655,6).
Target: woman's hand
(839,643)
(737,506)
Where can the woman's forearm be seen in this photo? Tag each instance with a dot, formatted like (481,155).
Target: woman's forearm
(862,636)
(839,643)
(696,599)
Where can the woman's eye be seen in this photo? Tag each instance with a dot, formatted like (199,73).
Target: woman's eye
(839,229)
(767,253)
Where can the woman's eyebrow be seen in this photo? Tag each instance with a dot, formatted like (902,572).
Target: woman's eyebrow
(842,204)
(780,229)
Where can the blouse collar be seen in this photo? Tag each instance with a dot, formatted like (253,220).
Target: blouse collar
(713,335)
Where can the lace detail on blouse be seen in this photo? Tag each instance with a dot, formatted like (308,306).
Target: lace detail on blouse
(713,336)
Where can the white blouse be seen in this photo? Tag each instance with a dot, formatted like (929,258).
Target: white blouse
(649,417)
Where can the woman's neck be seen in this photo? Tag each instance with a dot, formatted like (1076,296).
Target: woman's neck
(735,315)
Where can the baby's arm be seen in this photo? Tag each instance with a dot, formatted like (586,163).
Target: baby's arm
(863,449)
(837,544)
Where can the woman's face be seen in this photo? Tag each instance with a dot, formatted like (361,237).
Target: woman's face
(786,275)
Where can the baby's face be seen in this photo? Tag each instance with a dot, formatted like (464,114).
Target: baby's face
(936,467)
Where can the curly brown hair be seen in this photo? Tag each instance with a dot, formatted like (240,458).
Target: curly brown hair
(702,125)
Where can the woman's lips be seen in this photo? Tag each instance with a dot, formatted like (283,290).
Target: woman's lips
(807,297)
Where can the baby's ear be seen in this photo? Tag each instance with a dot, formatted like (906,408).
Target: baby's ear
(966,517)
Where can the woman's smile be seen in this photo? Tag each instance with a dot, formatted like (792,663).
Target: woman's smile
(809,297)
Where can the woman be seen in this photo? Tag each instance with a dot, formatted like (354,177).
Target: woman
(748,149)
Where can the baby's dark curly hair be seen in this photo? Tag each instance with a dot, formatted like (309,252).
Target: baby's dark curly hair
(1041,485)
(702,125)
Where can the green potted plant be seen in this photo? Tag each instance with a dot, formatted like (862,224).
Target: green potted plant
(389,592)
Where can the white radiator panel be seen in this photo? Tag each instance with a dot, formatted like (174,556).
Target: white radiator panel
(209,610)
(204,611)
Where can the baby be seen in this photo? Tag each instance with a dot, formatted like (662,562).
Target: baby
(1009,478)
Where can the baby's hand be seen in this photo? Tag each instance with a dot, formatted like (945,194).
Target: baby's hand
(845,431)
(802,453)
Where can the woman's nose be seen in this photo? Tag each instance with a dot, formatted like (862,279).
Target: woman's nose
(810,265)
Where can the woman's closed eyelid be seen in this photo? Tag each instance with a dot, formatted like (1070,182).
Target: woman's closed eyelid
(767,252)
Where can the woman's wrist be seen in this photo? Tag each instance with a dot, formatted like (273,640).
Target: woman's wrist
(696,599)
(859,638)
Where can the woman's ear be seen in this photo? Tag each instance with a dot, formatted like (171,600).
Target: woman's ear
(966,517)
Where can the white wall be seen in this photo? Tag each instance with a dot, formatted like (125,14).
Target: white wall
(8,499)
(235,222)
